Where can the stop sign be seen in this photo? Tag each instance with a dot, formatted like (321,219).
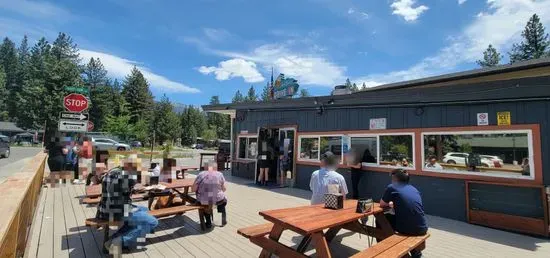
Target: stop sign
(90,126)
(75,102)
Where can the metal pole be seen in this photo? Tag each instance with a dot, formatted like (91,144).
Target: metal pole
(152,146)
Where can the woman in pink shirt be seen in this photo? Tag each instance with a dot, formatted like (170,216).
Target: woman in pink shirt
(210,188)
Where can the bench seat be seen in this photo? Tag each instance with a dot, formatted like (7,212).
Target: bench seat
(394,246)
(96,200)
(165,212)
(256,230)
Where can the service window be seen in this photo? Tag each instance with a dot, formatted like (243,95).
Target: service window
(332,144)
(248,148)
(489,153)
(309,148)
(396,151)
(366,147)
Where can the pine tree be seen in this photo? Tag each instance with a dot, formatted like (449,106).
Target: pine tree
(491,57)
(101,92)
(23,53)
(136,92)
(3,96)
(238,98)
(9,64)
(193,121)
(120,125)
(348,83)
(304,93)
(535,42)
(166,124)
(251,96)
(266,94)
(63,48)
(354,88)
(364,87)
(218,122)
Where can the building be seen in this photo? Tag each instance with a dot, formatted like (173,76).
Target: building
(495,112)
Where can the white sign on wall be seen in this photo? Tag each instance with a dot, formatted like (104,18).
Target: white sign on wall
(482,118)
(377,124)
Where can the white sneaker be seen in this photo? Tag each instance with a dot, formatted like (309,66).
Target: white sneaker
(114,246)
(76,181)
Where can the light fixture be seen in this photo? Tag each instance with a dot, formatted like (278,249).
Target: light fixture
(320,110)
(330,102)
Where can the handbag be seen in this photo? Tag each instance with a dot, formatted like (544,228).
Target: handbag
(334,201)
(364,205)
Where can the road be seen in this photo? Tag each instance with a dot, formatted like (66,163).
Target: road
(19,156)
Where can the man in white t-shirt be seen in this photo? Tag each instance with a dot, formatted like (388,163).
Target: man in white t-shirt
(327,175)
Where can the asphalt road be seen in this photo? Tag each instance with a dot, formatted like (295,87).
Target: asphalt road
(19,156)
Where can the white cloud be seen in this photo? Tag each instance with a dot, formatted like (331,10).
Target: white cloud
(500,25)
(351,10)
(405,9)
(236,67)
(35,9)
(119,67)
(216,34)
(461,1)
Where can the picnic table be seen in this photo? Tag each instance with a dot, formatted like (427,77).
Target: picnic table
(176,186)
(310,221)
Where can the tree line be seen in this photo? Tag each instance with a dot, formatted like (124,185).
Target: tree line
(32,87)
(534,45)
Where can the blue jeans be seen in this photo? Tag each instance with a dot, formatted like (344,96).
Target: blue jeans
(139,224)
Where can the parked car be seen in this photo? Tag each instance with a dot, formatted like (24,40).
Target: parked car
(497,161)
(4,146)
(109,144)
(136,144)
(459,158)
(197,146)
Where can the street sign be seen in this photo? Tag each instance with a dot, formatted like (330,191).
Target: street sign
(75,102)
(90,126)
(73,126)
(74,116)
(76,89)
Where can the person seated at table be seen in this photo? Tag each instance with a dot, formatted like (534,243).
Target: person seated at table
(325,176)
(116,205)
(210,188)
(406,201)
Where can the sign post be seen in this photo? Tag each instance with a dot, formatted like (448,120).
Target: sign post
(77,89)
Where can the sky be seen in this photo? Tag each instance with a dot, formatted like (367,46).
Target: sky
(191,50)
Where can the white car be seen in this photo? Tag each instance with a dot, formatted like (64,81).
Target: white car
(459,158)
(109,144)
(497,161)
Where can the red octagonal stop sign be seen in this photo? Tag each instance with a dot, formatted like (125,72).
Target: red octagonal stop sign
(75,102)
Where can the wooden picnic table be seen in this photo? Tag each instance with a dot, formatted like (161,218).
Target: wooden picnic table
(310,221)
(176,186)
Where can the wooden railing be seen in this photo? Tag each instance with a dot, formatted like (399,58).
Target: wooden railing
(19,194)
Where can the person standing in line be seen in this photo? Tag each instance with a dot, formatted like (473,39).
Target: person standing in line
(283,167)
(325,176)
(264,158)
(56,153)
(355,163)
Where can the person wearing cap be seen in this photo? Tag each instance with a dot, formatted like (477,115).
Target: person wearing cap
(325,176)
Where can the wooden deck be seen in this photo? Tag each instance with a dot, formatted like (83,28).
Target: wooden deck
(58,230)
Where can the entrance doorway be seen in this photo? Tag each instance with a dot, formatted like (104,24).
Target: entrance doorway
(272,142)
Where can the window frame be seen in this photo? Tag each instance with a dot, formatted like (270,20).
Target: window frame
(246,146)
(318,136)
(530,148)
(377,136)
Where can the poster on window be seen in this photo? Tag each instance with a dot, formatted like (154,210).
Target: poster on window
(377,124)
(346,142)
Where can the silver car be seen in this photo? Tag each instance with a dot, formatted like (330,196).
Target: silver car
(109,144)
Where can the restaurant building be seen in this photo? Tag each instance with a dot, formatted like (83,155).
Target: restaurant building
(498,116)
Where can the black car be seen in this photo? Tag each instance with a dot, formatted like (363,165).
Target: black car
(4,146)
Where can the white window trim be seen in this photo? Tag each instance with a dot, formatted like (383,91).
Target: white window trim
(377,136)
(247,143)
(318,136)
(529,147)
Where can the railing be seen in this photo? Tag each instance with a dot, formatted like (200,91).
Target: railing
(19,194)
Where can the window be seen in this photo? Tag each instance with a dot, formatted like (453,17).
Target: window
(366,148)
(248,148)
(489,153)
(311,147)
(385,150)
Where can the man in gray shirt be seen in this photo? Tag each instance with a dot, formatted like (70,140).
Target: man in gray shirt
(327,175)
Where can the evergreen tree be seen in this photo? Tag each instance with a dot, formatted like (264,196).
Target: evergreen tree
(94,73)
(304,93)
(193,121)
(166,124)
(101,92)
(266,94)
(24,58)
(136,92)
(535,42)
(238,98)
(348,83)
(251,96)
(63,48)
(120,125)
(219,122)
(491,57)
(354,88)
(9,64)
(364,87)
(117,95)
(3,96)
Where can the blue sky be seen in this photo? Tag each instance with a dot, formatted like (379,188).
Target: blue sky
(191,50)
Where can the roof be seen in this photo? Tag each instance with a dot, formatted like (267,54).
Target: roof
(10,127)
(409,92)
